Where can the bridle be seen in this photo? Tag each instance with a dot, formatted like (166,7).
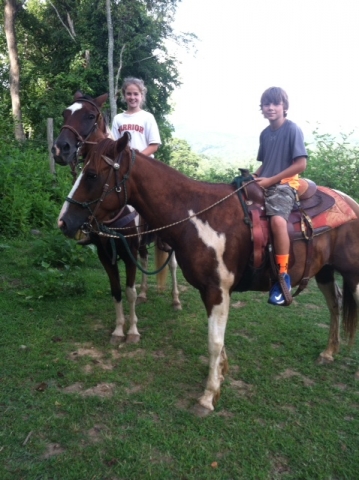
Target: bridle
(81,141)
(119,185)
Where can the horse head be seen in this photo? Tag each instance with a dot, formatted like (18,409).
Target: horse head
(83,126)
(101,190)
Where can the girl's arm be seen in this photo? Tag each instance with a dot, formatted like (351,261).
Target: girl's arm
(151,149)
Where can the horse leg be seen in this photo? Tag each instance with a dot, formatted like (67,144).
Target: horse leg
(113,274)
(217,306)
(333,297)
(175,293)
(142,296)
(133,335)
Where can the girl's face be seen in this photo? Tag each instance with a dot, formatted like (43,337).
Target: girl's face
(133,98)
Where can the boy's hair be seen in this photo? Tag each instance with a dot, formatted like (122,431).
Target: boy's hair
(134,81)
(275,95)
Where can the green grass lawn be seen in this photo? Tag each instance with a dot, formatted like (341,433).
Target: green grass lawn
(74,407)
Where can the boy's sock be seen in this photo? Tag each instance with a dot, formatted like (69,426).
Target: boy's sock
(282,263)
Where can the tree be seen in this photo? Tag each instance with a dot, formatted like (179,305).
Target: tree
(64,47)
(11,7)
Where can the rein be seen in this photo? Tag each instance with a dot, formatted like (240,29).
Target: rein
(180,221)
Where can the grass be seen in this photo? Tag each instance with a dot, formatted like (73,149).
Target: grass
(74,407)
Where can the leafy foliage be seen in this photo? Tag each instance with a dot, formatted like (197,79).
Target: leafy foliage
(334,163)
(57,60)
(30,195)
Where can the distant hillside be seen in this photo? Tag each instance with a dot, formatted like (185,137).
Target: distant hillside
(235,150)
(230,148)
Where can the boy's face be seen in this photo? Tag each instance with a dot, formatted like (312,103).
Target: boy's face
(273,112)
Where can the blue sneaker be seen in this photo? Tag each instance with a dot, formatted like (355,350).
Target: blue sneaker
(276,296)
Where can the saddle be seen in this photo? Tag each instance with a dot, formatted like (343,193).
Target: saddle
(317,210)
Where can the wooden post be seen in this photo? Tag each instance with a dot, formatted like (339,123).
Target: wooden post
(50,142)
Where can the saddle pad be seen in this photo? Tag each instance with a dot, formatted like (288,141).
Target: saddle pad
(338,214)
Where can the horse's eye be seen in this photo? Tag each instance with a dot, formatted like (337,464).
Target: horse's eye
(91,116)
(91,175)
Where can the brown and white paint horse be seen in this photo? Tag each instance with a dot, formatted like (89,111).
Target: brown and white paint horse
(212,242)
(84,126)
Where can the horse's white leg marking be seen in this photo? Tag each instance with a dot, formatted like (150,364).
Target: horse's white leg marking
(333,298)
(118,333)
(131,295)
(175,293)
(65,206)
(144,286)
(217,320)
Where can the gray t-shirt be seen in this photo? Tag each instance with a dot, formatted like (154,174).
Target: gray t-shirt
(278,148)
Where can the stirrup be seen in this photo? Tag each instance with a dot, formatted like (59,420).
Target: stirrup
(288,299)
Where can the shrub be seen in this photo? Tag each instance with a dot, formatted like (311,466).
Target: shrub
(334,163)
(31,197)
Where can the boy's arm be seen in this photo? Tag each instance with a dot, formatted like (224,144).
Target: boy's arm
(298,166)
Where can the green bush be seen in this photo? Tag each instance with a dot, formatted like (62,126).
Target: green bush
(334,163)
(31,197)
(54,250)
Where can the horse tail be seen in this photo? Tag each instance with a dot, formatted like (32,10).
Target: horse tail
(160,258)
(350,313)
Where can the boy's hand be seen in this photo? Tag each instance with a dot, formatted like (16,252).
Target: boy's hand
(263,182)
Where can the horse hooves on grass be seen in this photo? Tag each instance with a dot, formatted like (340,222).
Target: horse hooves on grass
(131,338)
(117,340)
(200,410)
(325,359)
(141,300)
(177,306)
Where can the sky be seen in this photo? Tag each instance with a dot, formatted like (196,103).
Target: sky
(308,47)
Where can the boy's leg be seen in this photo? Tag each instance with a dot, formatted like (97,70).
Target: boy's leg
(279,203)
(281,242)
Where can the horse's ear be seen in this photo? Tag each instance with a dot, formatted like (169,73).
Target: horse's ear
(122,142)
(78,94)
(101,100)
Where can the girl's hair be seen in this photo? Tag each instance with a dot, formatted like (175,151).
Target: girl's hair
(275,95)
(139,84)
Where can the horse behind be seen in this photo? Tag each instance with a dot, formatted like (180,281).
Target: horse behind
(205,225)
(84,127)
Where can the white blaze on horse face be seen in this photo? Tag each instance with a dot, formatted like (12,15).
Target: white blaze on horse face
(65,206)
(217,241)
(73,108)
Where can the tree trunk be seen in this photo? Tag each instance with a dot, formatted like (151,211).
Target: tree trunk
(10,14)
(111,82)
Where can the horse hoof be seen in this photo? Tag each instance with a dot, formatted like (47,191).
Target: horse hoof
(204,402)
(132,338)
(325,359)
(117,340)
(141,300)
(177,307)
(200,410)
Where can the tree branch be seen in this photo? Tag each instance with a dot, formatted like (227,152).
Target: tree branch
(119,70)
(68,19)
